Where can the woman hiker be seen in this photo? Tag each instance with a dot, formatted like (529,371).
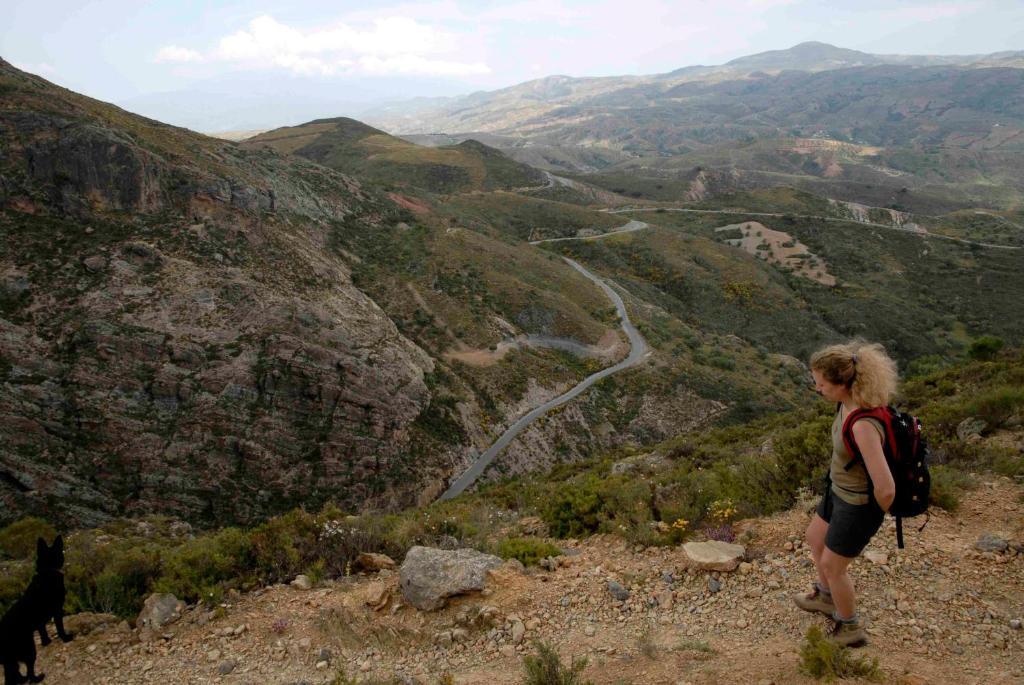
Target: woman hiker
(853,375)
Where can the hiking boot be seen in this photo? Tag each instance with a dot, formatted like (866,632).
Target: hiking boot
(815,601)
(848,633)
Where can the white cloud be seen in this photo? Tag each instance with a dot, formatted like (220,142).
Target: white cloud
(174,53)
(382,46)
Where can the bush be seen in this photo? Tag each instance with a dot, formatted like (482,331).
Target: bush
(546,668)
(823,659)
(18,540)
(985,348)
(109,576)
(285,545)
(14,578)
(576,509)
(529,551)
(948,484)
(202,568)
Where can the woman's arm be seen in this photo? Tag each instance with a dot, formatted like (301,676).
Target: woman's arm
(870,444)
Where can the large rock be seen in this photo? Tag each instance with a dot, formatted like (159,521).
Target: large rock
(989,542)
(714,555)
(158,610)
(430,576)
(971,428)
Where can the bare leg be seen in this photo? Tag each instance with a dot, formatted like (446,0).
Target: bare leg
(815,537)
(835,568)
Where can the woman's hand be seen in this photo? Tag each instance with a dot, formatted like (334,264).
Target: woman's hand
(870,444)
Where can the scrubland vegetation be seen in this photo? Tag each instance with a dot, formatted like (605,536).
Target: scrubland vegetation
(692,484)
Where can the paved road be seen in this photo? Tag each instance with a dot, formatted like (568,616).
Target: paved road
(633,225)
(890,227)
(638,348)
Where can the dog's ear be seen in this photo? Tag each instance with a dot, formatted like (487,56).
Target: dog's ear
(41,548)
(58,544)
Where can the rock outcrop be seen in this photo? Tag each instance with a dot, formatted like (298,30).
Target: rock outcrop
(430,576)
(177,333)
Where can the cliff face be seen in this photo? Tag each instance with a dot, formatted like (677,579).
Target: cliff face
(177,333)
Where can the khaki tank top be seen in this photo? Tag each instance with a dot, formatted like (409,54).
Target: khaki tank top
(851,485)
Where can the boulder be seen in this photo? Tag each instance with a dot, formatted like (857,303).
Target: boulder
(369,561)
(970,428)
(714,555)
(302,582)
(991,543)
(158,610)
(429,576)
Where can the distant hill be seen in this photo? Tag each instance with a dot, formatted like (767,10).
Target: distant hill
(929,133)
(355,148)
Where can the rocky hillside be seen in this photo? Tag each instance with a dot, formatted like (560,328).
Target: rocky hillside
(945,610)
(176,333)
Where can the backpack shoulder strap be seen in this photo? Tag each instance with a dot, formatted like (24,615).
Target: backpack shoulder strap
(882,415)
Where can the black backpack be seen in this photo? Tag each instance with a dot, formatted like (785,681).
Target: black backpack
(906,453)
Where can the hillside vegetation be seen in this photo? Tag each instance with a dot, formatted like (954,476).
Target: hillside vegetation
(692,482)
(355,148)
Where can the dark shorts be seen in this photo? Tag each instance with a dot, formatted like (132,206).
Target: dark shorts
(850,526)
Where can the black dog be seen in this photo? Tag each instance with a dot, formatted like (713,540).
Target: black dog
(43,600)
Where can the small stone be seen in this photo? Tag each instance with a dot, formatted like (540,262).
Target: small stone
(95,263)
(321,665)
(369,561)
(714,585)
(302,582)
(325,654)
(226,667)
(589,631)
(876,557)
(213,655)
(1015,623)
(518,632)
(240,629)
(365,666)
(618,592)
(746,567)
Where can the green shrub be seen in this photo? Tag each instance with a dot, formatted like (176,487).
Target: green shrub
(823,659)
(125,583)
(18,540)
(948,484)
(14,578)
(529,551)
(576,509)
(285,545)
(202,568)
(985,348)
(546,668)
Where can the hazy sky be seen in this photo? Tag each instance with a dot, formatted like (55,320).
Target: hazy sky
(127,51)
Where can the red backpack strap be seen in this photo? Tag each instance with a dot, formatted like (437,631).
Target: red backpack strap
(883,415)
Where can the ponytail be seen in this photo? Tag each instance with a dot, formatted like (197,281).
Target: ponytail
(864,368)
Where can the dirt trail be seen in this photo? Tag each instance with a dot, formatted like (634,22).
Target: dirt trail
(939,613)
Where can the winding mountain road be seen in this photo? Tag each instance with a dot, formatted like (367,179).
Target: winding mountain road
(638,348)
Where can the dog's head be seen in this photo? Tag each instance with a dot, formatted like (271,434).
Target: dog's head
(50,558)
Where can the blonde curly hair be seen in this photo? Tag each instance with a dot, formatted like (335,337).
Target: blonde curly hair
(864,368)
